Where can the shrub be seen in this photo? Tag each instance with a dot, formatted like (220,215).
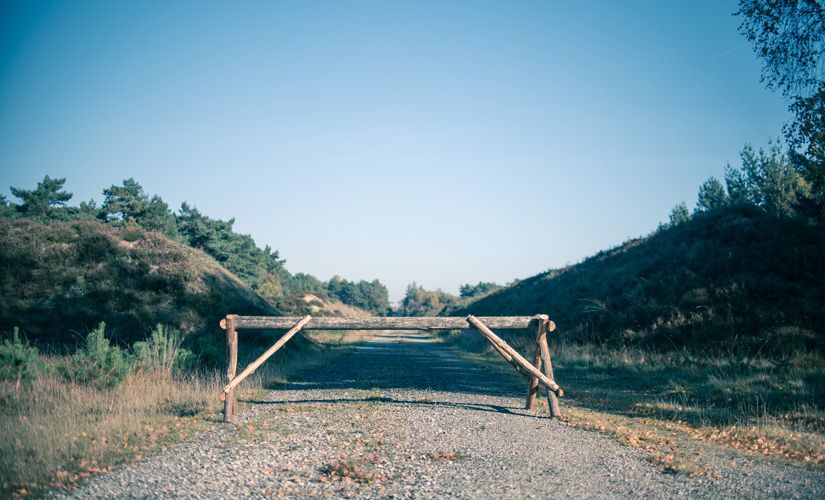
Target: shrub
(161,353)
(18,360)
(98,362)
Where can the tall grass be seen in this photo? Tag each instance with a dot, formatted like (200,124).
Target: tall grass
(57,426)
(55,431)
(739,399)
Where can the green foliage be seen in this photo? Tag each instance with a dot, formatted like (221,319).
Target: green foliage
(42,200)
(789,37)
(98,362)
(6,209)
(478,290)
(300,283)
(237,252)
(773,182)
(766,179)
(85,264)
(420,302)
(18,360)
(371,296)
(69,276)
(712,195)
(161,353)
(735,279)
(679,214)
(128,203)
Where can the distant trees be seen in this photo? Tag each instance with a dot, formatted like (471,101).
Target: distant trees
(260,268)
(368,295)
(789,37)
(420,302)
(478,290)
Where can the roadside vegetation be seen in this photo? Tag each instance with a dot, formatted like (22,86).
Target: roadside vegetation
(710,329)
(126,207)
(65,418)
(110,346)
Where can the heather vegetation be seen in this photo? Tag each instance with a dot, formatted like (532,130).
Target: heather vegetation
(112,311)
(65,418)
(713,323)
(127,207)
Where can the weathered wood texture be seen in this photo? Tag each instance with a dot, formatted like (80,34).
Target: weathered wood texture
(533,386)
(506,355)
(230,387)
(540,372)
(515,357)
(230,402)
(552,399)
(384,323)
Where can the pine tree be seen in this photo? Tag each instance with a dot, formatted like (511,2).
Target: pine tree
(42,200)
(711,195)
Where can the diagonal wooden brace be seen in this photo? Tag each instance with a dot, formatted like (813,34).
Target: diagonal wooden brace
(513,356)
(266,355)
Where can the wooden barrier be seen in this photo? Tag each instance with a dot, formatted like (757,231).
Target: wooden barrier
(540,372)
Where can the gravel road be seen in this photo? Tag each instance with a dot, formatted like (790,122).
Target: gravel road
(403,416)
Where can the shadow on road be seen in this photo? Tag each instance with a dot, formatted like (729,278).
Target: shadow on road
(394,360)
(404,402)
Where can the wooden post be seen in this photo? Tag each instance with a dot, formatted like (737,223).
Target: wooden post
(230,402)
(230,387)
(533,386)
(515,358)
(552,399)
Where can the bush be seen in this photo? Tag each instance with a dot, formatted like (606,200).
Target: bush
(18,360)
(98,362)
(161,353)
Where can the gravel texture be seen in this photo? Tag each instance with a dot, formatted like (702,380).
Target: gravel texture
(403,416)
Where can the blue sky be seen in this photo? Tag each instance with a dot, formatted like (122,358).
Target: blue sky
(441,142)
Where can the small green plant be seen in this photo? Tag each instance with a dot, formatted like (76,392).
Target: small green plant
(161,354)
(18,360)
(98,362)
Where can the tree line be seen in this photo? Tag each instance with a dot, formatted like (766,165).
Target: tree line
(420,302)
(128,204)
(784,179)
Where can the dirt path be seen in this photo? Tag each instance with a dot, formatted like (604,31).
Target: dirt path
(403,416)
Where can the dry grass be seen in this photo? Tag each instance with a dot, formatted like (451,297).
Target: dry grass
(674,405)
(54,433)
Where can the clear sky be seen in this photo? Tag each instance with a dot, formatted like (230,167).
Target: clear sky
(441,142)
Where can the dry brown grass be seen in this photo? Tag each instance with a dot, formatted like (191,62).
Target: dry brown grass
(678,406)
(54,433)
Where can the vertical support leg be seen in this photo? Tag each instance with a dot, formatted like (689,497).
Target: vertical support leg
(552,399)
(230,402)
(533,386)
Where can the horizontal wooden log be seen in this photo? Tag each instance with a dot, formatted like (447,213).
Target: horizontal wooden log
(386,323)
(516,357)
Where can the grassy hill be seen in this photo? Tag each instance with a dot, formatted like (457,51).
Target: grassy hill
(60,279)
(83,405)
(731,280)
(712,330)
